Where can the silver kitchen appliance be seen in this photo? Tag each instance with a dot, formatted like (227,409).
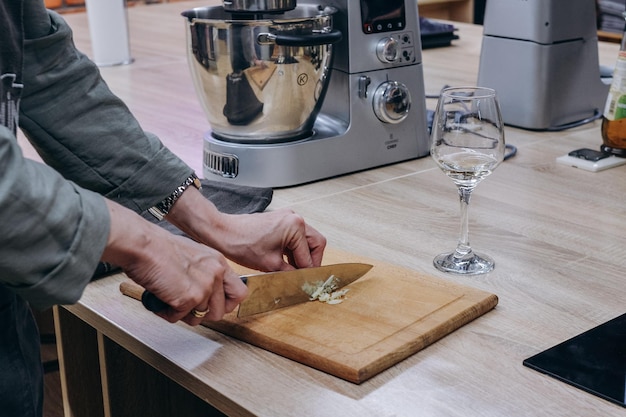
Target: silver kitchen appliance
(541,56)
(327,98)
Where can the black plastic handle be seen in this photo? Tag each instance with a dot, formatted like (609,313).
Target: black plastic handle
(316,39)
(155,304)
(152,302)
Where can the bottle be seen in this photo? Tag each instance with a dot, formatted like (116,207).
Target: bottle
(614,117)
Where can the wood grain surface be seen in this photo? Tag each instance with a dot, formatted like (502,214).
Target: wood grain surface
(388,315)
(557,235)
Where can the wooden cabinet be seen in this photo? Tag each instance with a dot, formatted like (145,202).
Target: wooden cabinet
(457,10)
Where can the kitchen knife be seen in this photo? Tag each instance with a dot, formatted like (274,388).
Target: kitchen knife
(274,290)
(271,291)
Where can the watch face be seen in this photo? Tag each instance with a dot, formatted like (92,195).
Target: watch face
(594,361)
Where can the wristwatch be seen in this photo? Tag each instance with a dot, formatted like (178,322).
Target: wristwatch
(160,210)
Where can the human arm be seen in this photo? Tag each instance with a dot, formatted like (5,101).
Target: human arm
(269,241)
(82,130)
(184,274)
(145,172)
(86,135)
(53,232)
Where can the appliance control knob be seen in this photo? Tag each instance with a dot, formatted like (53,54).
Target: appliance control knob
(388,50)
(392,102)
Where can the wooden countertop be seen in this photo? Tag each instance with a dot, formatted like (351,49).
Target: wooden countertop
(557,234)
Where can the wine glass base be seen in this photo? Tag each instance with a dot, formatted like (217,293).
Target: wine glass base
(470,264)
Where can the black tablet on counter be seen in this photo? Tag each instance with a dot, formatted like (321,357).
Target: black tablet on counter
(594,361)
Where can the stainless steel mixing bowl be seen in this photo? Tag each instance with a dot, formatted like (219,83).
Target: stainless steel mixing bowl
(259,6)
(261,78)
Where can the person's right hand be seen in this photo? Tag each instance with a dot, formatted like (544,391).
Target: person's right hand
(184,274)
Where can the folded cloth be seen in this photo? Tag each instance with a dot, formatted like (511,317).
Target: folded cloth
(613,7)
(228,198)
(434,34)
(432,27)
(610,23)
(237,199)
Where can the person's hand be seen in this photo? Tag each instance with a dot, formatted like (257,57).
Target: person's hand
(259,63)
(184,274)
(271,241)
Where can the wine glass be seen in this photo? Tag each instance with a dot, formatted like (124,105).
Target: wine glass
(467,142)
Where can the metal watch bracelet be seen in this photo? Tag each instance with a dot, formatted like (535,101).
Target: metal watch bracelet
(160,210)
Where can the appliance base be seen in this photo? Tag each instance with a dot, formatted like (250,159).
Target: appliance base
(330,152)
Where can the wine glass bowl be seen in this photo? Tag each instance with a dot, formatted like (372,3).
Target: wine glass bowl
(467,143)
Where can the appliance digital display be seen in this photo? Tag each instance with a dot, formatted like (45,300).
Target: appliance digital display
(382,15)
(594,361)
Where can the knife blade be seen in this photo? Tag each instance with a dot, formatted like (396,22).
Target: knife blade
(273,290)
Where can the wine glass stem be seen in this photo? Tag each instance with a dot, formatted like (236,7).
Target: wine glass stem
(463,247)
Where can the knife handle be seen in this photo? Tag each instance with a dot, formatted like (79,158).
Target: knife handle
(152,302)
(155,304)
(149,300)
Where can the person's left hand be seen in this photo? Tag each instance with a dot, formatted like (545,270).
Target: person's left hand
(270,241)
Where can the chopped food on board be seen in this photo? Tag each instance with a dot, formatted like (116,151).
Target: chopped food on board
(325,291)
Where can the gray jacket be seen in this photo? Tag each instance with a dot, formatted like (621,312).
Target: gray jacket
(54,223)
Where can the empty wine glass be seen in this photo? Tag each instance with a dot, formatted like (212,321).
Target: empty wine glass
(467,142)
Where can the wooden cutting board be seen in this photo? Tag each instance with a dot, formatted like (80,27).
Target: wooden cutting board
(389,314)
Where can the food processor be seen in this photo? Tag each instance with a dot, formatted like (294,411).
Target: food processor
(541,56)
(295,93)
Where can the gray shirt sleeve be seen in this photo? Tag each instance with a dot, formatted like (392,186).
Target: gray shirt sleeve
(56,223)
(87,133)
(53,232)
